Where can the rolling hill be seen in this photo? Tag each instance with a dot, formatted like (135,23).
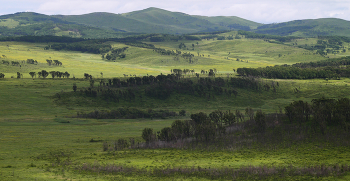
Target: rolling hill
(155,20)
(307,28)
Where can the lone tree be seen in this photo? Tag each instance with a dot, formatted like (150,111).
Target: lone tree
(43,73)
(32,74)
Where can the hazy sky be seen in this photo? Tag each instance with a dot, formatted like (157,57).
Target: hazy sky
(262,11)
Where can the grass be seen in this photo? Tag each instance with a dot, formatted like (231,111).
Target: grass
(30,129)
(36,126)
(221,55)
(28,146)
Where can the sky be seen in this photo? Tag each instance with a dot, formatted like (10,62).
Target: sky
(261,11)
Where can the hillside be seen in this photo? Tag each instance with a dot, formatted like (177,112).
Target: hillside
(28,23)
(308,28)
(155,20)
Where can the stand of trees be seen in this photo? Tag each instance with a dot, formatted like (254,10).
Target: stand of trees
(333,68)
(248,34)
(320,113)
(128,113)
(86,46)
(163,86)
(114,53)
(201,126)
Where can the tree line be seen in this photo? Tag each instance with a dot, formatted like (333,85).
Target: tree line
(44,74)
(130,113)
(320,113)
(164,86)
(248,34)
(331,69)
(94,47)
(205,127)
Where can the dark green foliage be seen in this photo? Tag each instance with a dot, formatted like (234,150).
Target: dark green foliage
(260,121)
(19,75)
(221,38)
(31,61)
(116,52)
(332,68)
(42,39)
(182,113)
(43,74)
(121,144)
(95,47)
(127,113)
(32,74)
(140,44)
(325,112)
(74,87)
(148,135)
(165,134)
(201,126)
(264,36)
(298,111)
(157,39)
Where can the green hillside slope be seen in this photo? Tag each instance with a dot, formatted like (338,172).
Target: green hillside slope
(28,23)
(154,20)
(310,27)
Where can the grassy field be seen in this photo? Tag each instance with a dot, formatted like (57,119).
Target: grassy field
(221,55)
(37,129)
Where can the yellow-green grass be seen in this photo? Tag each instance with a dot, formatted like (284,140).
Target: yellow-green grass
(29,130)
(258,53)
(34,98)
(221,55)
(31,120)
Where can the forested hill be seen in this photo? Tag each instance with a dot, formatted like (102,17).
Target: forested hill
(155,20)
(308,28)
(35,24)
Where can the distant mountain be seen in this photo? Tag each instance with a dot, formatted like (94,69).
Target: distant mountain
(307,28)
(155,20)
(28,23)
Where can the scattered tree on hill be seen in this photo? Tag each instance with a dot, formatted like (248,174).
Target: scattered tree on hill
(32,74)
(43,74)
(19,75)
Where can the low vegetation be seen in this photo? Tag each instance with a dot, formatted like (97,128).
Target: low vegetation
(186,107)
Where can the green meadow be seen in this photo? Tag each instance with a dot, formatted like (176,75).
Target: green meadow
(41,139)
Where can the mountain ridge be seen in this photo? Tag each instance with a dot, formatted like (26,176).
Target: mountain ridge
(156,20)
